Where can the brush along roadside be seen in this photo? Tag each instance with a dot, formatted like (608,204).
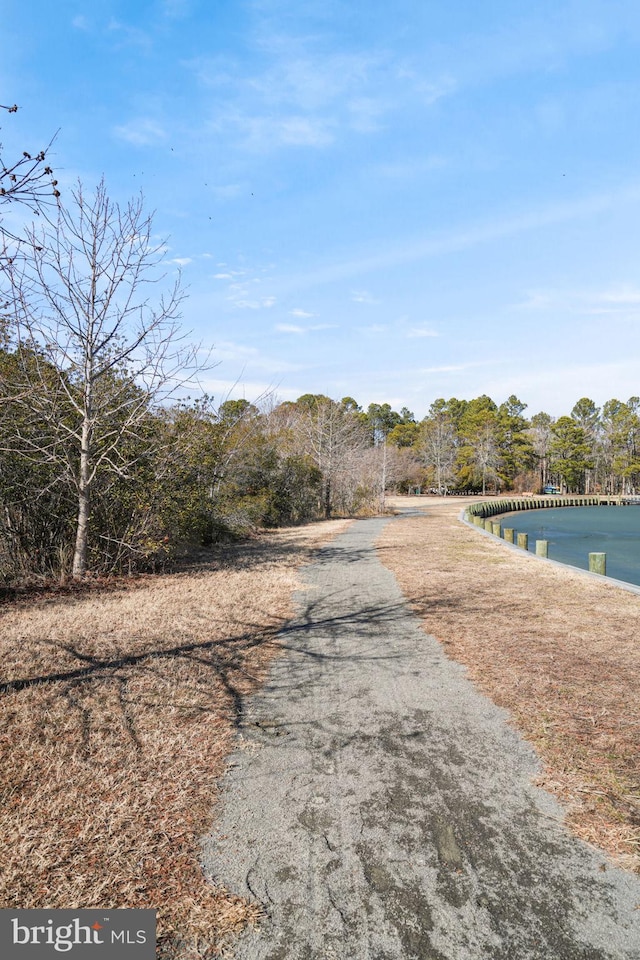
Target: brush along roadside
(117,713)
(557,649)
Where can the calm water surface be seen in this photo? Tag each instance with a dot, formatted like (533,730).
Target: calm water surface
(575,532)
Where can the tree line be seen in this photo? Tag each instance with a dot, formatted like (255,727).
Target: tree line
(479,446)
(107,466)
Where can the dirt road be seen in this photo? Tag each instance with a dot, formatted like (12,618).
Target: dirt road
(378,807)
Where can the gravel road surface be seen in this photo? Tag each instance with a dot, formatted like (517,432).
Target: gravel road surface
(378,807)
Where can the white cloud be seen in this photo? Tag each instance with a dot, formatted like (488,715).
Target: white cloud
(301,98)
(241,295)
(295,328)
(302,314)
(535,300)
(176,9)
(447,368)
(410,168)
(557,388)
(247,389)
(422,332)
(469,237)
(362,296)
(143,132)
(249,304)
(459,367)
(228,350)
(289,328)
(365,113)
(304,131)
(227,274)
(616,301)
(429,90)
(250,359)
(312,83)
(181,261)
(265,133)
(129,36)
(622,295)
(433,91)
(375,328)
(229,191)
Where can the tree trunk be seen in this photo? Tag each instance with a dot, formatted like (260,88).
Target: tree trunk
(327,498)
(82,530)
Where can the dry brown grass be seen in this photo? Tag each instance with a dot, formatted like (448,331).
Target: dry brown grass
(560,651)
(117,711)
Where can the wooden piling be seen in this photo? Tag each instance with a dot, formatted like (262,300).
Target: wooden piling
(523,540)
(542,548)
(598,563)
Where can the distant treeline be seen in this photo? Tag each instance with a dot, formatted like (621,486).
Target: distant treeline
(477,445)
(193,474)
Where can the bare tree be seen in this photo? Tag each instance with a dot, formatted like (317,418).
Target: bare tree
(96,349)
(437,445)
(377,469)
(541,435)
(335,439)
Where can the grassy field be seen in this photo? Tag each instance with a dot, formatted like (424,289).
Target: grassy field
(560,651)
(119,707)
(117,711)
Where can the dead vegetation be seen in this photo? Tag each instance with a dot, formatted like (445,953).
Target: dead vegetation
(557,649)
(117,712)
(118,708)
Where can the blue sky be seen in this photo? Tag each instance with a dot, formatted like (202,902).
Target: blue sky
(396,202)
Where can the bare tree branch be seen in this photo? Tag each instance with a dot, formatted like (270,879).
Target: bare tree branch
(26,181)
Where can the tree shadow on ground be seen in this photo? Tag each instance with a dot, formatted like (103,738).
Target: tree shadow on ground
(226,660)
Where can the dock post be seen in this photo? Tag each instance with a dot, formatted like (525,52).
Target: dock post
(542,548)
(523,540)
(598,563)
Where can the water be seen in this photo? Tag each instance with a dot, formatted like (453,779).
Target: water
(575,532)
